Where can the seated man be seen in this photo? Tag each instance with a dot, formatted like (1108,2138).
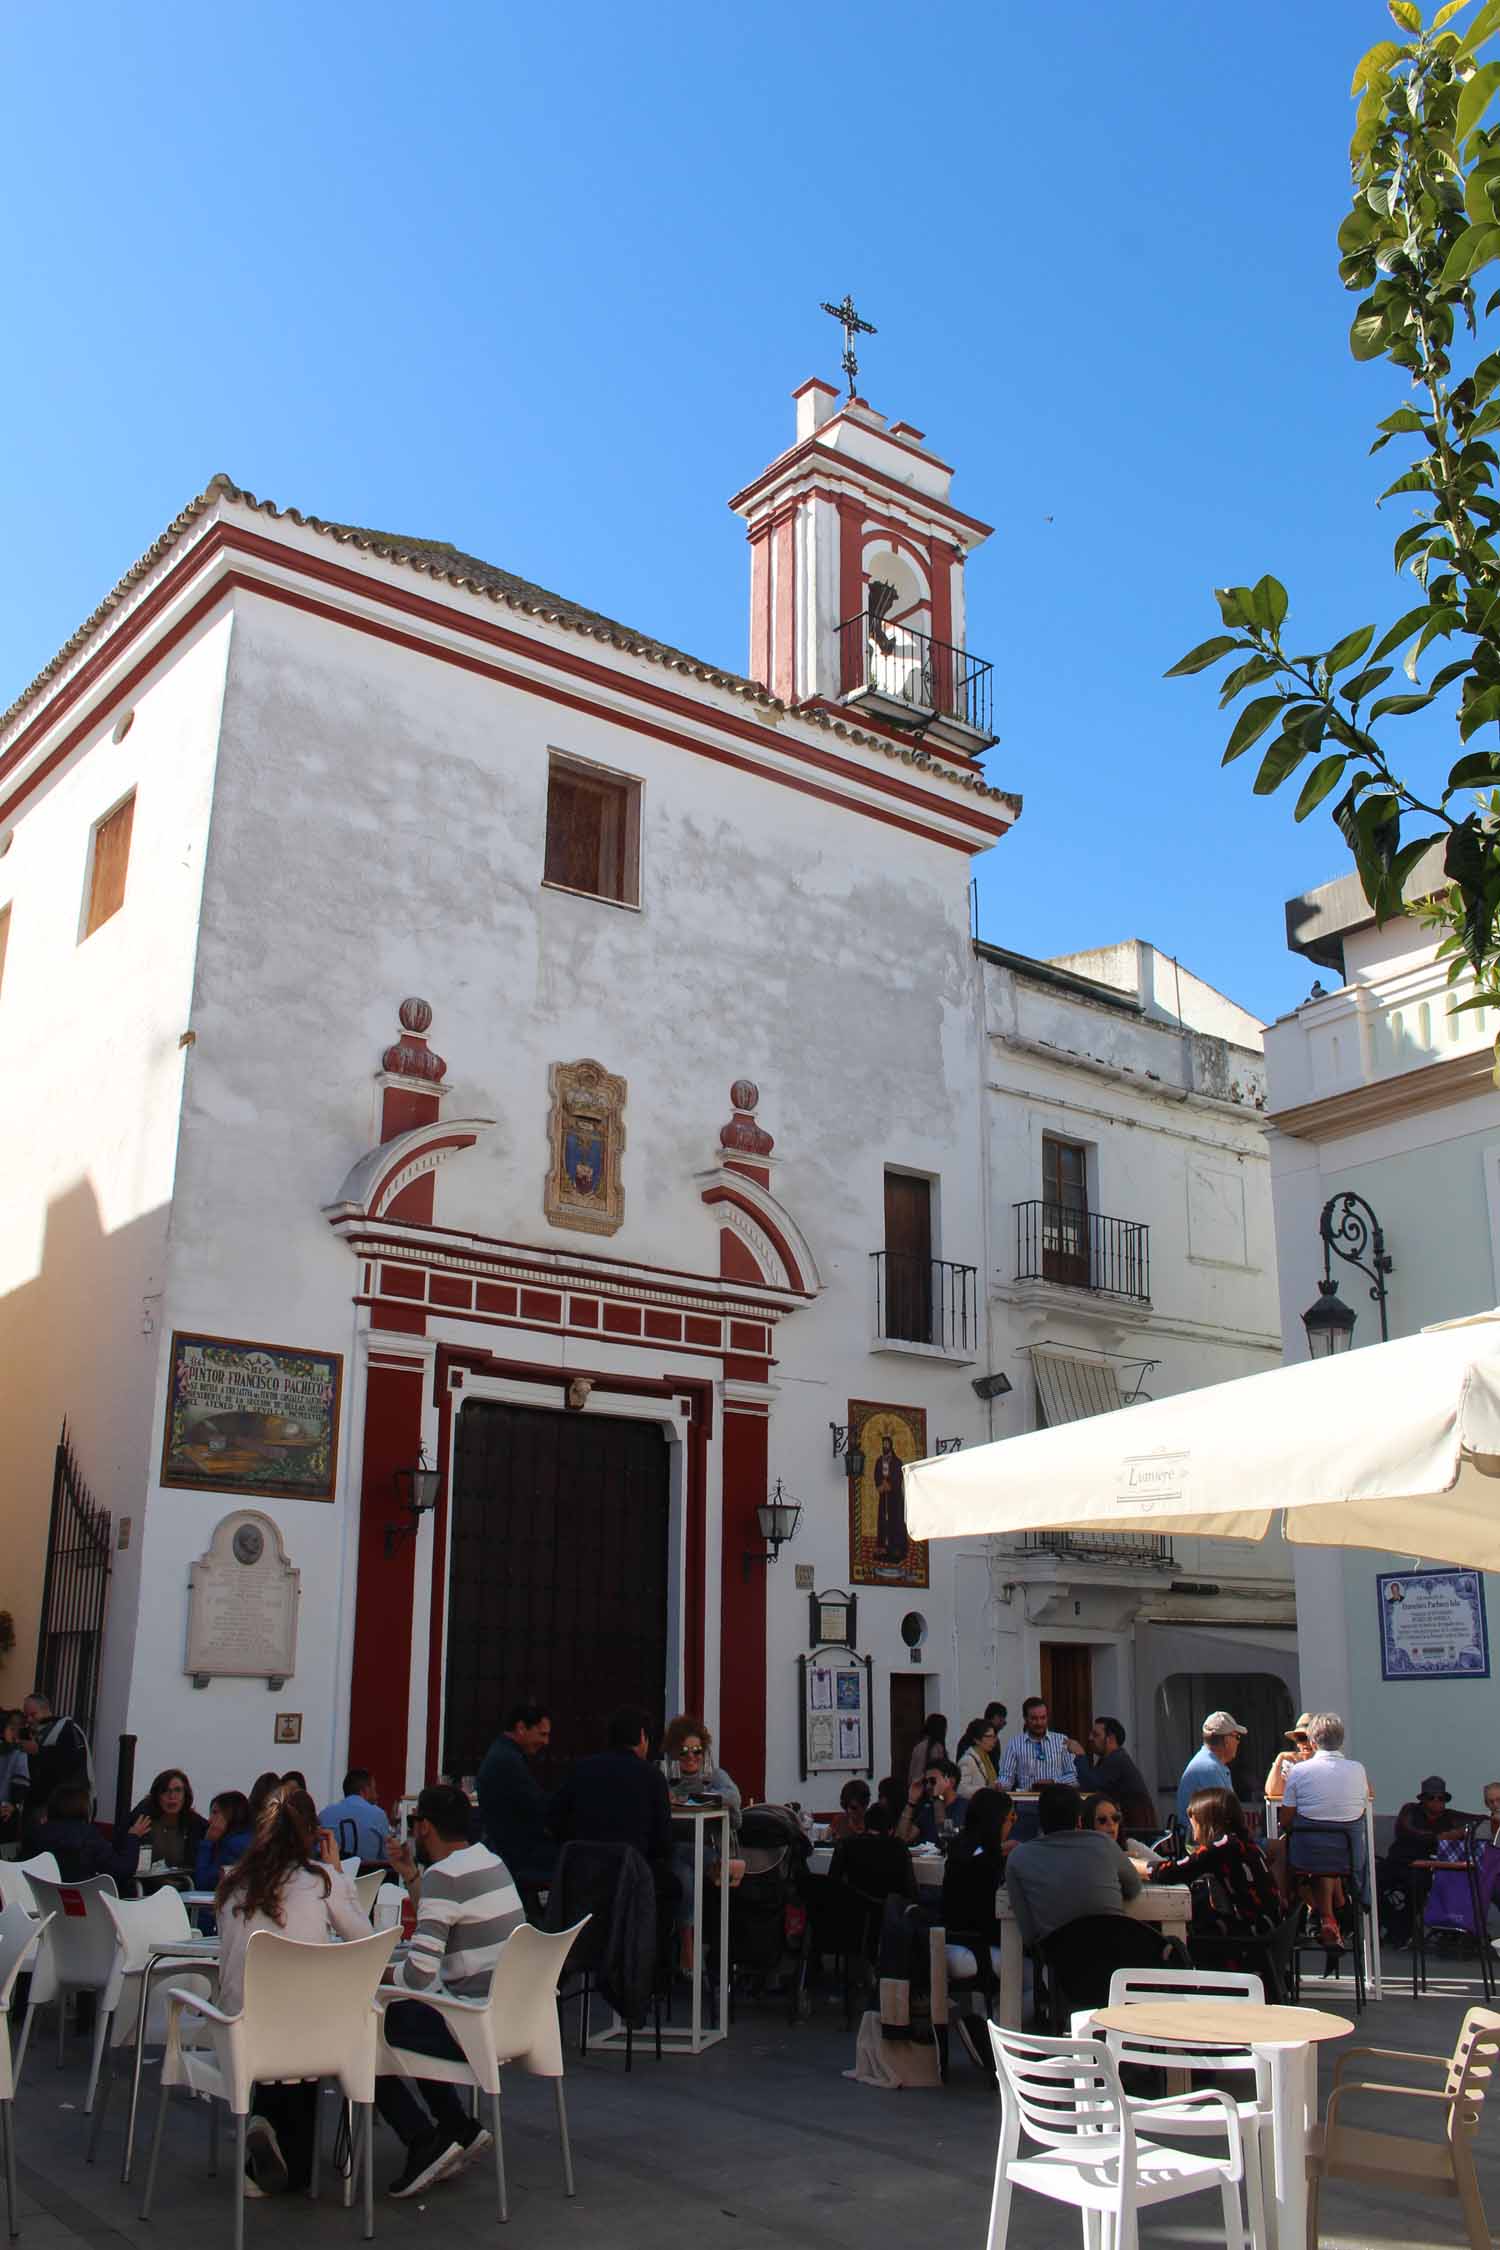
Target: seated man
(512,1802)
(1208,1768)
(1066,1871)
(618,1796)
(875,1863)
(1421,1823)
(1109,1771)
(359,1825)
(1037,1755)
(931,1802)
(467,1907)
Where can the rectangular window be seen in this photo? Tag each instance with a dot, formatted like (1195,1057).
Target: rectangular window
(593,832)
(108,862)
(4,941)
(1065,1212)
(908,1258)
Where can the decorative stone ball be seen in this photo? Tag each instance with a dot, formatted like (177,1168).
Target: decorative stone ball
(416,1016)
(744,1093)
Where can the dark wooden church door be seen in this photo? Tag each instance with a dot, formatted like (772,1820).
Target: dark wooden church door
(557,1584)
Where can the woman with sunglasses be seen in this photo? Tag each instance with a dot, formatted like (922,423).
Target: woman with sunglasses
(687,1760)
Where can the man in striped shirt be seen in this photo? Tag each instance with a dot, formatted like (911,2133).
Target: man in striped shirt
(467,1907)
(1035,1755)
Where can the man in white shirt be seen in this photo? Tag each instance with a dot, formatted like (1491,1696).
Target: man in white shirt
(1034,1755)
(1331,1789)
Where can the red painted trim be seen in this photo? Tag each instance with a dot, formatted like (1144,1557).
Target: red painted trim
(760,608)
(742,1602)
(785,644)
(910,430)
(816,383)
(582,1274)
(379,1686)
(919,550)
(725,1194)
(236,581)
(851,584)
(940,575)
(813,449)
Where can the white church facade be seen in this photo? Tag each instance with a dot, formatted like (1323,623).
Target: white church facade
(467,1052)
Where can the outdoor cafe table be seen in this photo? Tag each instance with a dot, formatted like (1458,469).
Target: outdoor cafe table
(1286,2039)
(692,2038)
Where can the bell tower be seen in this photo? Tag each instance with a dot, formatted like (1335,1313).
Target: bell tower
(857,576)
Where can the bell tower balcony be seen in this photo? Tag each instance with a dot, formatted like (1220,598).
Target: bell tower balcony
(895,673)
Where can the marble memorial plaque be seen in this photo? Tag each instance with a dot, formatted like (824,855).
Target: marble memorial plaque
(242,1603)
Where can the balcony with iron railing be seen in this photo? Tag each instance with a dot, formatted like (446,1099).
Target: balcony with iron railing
(927,1304)
(1103,1546)
(896,670)
(1083,1250)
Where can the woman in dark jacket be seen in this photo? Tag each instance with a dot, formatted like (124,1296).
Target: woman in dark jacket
(1234,1891)
(80,1849)
(226,1839)
(165,1818)
(972,1877)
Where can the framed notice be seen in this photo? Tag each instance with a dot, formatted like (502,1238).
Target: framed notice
(1432,1625)
(252,1418)
(835,1716)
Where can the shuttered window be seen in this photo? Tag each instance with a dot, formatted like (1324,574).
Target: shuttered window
(111,857)
(593,832)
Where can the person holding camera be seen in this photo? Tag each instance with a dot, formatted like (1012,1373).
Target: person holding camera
(932,1804)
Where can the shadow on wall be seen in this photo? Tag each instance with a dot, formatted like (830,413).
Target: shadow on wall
(74,1346)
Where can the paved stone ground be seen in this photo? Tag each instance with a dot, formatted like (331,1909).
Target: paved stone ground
(762,2141)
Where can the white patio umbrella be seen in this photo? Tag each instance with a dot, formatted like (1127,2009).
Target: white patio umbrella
(1395,1446)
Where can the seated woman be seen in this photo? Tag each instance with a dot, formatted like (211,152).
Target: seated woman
(876,1862)
(290,1882)
(1234,1894)
(80,1849)
(976,1757)
(688,1744)
(973,1874)
(165,1818)
(227,1838)
(1104,1814)
(854,1804)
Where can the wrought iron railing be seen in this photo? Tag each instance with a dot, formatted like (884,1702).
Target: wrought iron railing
(75,1591)
(924,1300)
(930,678)
(1106,1546)
(1082,1248)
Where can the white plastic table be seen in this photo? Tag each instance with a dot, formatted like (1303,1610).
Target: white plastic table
(693,2038)
(1286,2039)
(1168,1905)
(927,1866)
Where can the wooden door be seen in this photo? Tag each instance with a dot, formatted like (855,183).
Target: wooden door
(1068,1687)
(908,1258)
(1065,1212)
(908,1717)
(558,1576)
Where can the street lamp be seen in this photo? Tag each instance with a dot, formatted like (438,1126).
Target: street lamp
(1352,1233)
(417,1492)
(776,1516)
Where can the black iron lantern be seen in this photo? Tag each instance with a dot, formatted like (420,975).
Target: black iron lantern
(1329,1323)
(1349,1231)
(417,1492)
(777,1517)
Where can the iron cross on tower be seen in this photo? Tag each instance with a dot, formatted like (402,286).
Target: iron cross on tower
(853,326)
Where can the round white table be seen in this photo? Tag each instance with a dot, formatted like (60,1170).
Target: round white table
(1287,2039)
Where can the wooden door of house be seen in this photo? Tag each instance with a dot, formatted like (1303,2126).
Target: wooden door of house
(908,1717)
(1068,1688)
(557,1582)
(1065,1212)
(907,1309)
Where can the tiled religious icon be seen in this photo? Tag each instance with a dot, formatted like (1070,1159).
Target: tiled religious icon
(882,1551)
(586,1135)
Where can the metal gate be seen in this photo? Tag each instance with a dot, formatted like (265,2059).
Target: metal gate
(557,1584)
(75,1591)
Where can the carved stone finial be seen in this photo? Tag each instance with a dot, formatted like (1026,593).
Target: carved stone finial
(411,1057)
(742,1135)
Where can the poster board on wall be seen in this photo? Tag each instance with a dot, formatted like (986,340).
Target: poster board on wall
(836,1712)
(257,1419)
(1433,1625)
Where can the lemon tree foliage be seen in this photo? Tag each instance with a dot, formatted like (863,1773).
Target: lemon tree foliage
(1417,244)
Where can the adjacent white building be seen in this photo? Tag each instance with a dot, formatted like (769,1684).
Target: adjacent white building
(1377,1088)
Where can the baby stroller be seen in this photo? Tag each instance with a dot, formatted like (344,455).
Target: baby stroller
(774,1851)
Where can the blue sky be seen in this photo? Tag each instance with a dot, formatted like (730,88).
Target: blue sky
(540,282)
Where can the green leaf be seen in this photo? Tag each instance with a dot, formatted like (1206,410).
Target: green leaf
(1367,332)
(1403,629)
(1445,15)
(1415,480)
(1405,13)
(1249,674)
(1475,247)
(1268,598)
(1251,725)
(1478,712)
(1349,650)
(1480,770)
(1396,706)
(1207,652)
(1380,56)
(1479,30)
(1404,418)
(1284,756)
(1325,777)
(1477,95)
(1366,682)
(1234,605)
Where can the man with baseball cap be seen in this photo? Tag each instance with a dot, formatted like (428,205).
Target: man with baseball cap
(1208,1768)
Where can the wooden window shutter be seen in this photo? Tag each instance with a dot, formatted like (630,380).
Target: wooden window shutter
(111,859)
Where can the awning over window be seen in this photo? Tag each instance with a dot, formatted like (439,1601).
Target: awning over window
(1073,1389)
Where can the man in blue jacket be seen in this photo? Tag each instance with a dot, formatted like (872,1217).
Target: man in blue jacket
(1208,1768)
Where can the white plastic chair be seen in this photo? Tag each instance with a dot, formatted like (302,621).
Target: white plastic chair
(19,1933)
(16,1874)
(1254,2105)
(519,2023)
(307,2014)
(366,1886)
(1066,2094)
(79,1957)
(142,1926)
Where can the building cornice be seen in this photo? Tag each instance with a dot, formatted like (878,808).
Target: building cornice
(1433,1086)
